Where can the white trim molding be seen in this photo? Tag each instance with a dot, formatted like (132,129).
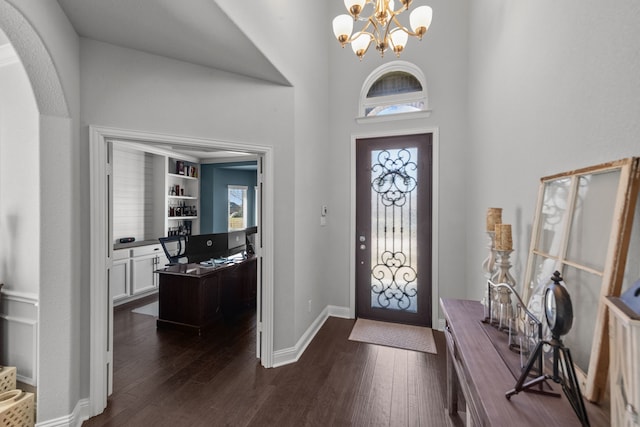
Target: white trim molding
(101,249)
(292,354)
(20,315)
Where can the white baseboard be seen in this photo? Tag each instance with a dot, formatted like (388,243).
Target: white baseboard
(292,354)
(80,413)
(336,311)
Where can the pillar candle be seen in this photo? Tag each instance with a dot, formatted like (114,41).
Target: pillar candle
(494,216)
(503,237)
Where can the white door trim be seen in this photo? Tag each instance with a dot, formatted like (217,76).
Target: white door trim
(435,309)
(101,247)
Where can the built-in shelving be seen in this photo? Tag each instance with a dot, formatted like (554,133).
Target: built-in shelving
(175,175)
(183,197)
(183,194)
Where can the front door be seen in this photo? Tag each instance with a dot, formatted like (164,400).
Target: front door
(393,228)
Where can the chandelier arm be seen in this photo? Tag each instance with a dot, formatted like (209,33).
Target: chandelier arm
(363,31)
(387,30)
(403,28)
(376,28)
(358,34)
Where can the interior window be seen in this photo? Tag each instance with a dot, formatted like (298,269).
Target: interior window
(237,198)
(395,88)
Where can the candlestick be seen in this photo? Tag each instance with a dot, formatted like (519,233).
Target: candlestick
(489,264)
(502,274)
(502,298)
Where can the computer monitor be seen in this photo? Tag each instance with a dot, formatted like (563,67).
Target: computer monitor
(251,239)
(203,247)
(237,242)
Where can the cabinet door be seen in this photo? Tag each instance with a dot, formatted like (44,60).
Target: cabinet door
(161,262)
(120,279)
(142,273)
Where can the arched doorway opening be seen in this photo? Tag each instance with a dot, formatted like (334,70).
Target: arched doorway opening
(56,341)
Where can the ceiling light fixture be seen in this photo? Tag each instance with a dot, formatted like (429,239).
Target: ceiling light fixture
(381,27)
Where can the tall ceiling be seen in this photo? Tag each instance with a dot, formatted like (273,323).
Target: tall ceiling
(195,31)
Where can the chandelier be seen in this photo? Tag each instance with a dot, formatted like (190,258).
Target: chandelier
(381,27)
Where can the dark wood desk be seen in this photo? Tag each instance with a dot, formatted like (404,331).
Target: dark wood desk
(481,373)
(191,296)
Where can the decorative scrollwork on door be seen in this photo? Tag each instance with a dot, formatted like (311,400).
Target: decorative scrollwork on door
(393,272)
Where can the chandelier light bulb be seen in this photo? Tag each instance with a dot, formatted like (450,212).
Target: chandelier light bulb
(354,7)
(420,20)
(342,28)
(399,40)
(360,44)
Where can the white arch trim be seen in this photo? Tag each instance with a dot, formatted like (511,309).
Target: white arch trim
(45,82)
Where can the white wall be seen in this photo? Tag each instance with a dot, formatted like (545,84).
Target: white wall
(296,45)
(553,86)
(442,56)
(19,182)
(19,217)
(129,89)
(135,192)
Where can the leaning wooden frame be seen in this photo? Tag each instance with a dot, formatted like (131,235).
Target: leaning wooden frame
(582,228)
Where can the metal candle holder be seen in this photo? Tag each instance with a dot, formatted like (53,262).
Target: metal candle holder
(502,307)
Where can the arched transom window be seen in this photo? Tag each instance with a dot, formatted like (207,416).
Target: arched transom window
(395,88)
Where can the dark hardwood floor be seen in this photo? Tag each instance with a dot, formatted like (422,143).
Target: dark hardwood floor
(172,378)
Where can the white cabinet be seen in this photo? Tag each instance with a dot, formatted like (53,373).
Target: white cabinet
(142,269)
(132,274)
(119,275)
(624,373)
(144,261)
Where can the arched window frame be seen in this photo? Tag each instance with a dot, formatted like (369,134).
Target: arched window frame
(389,100)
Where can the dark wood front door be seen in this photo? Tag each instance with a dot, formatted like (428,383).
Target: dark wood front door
(393,228)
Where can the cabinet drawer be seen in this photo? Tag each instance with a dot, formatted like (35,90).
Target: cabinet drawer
(146,250)
(120,254)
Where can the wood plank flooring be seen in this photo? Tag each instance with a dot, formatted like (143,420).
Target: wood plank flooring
(172,378)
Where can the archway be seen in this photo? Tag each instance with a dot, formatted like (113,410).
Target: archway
(57,342)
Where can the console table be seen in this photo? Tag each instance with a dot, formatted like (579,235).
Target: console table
(483,375)
(192,296)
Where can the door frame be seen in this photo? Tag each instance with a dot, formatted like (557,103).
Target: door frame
(101,249)
(434,214)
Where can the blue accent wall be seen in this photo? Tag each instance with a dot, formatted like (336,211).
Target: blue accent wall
(214,180)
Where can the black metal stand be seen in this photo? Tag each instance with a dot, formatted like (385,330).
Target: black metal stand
(561,360)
